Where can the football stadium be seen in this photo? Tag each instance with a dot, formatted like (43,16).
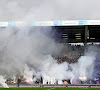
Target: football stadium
(49,44)
(50,54)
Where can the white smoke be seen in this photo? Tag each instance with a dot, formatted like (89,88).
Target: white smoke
(86,66)
(28,51)
(16,10)
(2,82)
(28,73)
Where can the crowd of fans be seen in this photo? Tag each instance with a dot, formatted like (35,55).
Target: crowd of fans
(74,52)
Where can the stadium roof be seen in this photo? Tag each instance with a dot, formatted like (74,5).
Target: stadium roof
(51,23)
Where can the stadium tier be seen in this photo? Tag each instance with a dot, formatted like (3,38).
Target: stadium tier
(58,34)
(72,31)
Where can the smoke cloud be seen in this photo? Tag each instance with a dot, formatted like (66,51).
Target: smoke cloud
(13,10)
(2,82)
(28,51)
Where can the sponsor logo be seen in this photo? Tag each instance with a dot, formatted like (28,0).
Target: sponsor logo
(83,23)
(11,23)
(34,23)
(57,23)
